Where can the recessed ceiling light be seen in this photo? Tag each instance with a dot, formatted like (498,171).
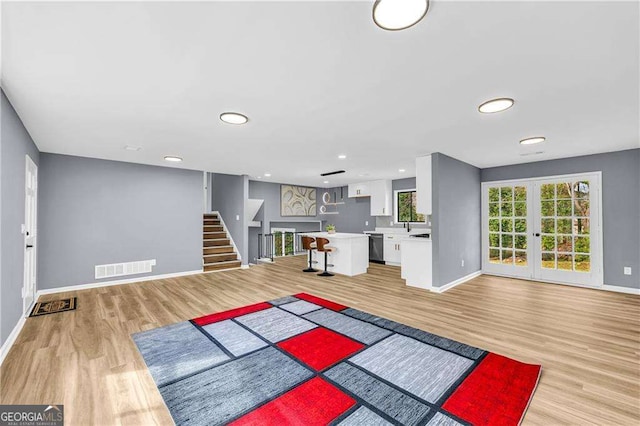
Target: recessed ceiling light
(267,174)
(132,148)
(396,15)
(496,105)
(401,170)
(259,177)
(233,118)
(533,140)
(172,159)
(342,156)
(326,181)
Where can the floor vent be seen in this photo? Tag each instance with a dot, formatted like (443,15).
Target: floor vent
(120,269)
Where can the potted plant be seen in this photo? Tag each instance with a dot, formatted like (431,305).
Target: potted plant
(331,228)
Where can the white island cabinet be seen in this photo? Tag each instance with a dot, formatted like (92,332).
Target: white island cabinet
(351,256)
(416,262)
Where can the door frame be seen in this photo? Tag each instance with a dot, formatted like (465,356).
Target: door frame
(598,265)
(33,238)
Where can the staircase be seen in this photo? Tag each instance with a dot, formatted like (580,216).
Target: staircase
(218,252)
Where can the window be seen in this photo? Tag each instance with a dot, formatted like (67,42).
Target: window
(406,207)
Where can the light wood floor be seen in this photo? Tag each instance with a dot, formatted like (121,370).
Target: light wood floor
(587,341)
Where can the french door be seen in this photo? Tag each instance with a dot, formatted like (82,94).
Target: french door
(546,229)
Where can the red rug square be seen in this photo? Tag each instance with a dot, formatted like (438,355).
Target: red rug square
(320,348)
(320,301)
(497,392)
(232,313)
(315,402)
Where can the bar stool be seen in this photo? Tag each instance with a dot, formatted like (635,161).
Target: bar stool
(322,247)
(309,243)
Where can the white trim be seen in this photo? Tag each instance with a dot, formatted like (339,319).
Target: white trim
(116,282)
(459,281)
(245,266)
(567,176)
(224,227)
(620,289)
(11,339)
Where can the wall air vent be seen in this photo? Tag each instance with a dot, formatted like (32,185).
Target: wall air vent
(121,269)
(337,172)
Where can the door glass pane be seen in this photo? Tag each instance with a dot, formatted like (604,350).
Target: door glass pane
(520,193)
(581,225)
(564,226)
(507,256)
(549,260)
(564,207)
(581,189)
(582,245)
(563,190)
(520,225)
(548,226)
(520,209)
(547,208)
(548,243)
(565,244)
(506,209)
(507,240)
(494,240)
(506,193)
(506,225)
(547,192)
(521,242)
(494,209)
(565,262)
(494,195)
(582,263)
(494,225)
(521,258)
(494,256)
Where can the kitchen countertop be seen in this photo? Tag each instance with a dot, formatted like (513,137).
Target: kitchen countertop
(337,235)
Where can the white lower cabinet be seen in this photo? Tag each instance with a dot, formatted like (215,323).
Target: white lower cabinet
(417,262)
(392,249)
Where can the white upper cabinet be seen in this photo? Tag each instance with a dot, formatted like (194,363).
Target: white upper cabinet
(423,185)
(359,190)
(381,198)
(380,193)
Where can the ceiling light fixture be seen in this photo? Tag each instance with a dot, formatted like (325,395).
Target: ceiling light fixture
(267,174)
(496,105)
(533,140)
(326,181)
(172,159)
(342,156)
(233,118)
(394,15)
(132,148)
(401,170)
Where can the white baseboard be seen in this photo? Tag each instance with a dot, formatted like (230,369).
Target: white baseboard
(459,281)
(619,289)
(6,346)
(116,282)
(244,267)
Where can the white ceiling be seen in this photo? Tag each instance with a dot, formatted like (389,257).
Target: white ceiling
(318,79)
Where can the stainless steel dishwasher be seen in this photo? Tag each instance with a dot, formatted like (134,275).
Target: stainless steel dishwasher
(376,248)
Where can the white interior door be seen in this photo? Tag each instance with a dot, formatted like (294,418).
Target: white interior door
(546,229)
(30,234)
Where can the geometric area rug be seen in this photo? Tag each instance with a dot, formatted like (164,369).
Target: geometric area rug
(304,360)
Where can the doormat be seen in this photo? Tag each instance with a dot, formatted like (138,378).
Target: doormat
(54,306)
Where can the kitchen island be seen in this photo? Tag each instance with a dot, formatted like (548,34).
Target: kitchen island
(351,255)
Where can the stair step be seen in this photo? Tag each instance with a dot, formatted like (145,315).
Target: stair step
(221,257)
(210,216)
(216,242)
(211,222)
(222,265)
(217,250)
(214,235)
(213,228)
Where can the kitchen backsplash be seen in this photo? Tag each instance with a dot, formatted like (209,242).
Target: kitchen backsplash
(387,222)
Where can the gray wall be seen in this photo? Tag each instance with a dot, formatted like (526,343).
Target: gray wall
(620,199)
(94,212)
(15,143)
(456,219)
(269,214)
(228,195)
(353,215)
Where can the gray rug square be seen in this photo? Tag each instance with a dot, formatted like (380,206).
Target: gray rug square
(363,416)
(423,370)
(443,420)
(275,325)
(234,338)
(222,393)
(354,328)
(177,350)
(283,300)
(300,307)
(397,405)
